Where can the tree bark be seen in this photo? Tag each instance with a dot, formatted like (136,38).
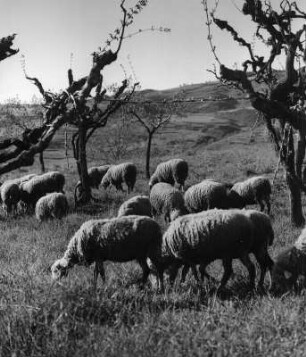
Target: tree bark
(81,159)
(296,212)
(294,183)
(300,154)
(42,162)
(148,154)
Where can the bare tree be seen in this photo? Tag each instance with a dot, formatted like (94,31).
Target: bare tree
(274,95)
(74,105)
(153,116)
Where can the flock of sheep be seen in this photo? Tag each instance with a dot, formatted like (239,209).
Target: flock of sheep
(207,222)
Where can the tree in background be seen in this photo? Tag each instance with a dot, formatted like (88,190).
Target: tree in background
(153,116)
(275,95)
(74,105)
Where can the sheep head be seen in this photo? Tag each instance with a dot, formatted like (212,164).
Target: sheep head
(59,269)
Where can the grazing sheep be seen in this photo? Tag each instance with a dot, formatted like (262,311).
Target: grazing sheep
(137,205)
(32,190)
(204,237)
(53,205)
(120,239)
(119,174)
(174,171)
(10,192)
(10,196)
(210,194)
(167,200)
(289,265)
(95,175)
(255,190)
(263,238)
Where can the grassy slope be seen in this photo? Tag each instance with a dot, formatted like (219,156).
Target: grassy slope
(38,318)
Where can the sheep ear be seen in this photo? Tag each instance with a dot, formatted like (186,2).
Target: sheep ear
(287,274)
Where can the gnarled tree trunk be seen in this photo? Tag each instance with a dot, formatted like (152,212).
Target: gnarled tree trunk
(293,182)
(81,160)
(148,154)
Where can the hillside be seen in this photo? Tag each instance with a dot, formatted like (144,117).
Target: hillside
(202,123)
(40,317)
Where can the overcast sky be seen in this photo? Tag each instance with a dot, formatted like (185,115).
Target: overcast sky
(49,31)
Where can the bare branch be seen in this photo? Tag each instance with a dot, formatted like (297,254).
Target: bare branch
(5,47)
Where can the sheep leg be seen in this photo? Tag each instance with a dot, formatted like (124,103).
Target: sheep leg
(99,269)
(268,205)
(185,271)
(246,261)
(228,270)
(265,262)
(173,270)
(204,273)
(261,204)
(196,275)
(145,270)
(160,280)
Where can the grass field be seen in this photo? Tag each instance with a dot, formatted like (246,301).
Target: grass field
(41,318)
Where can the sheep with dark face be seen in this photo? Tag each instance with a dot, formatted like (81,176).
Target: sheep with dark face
(10,192)
(119,174)
(167,200)
(120,239)
(32,190)
(289,265)
(204,237)
(254,190)
(52,205)
(174,171)
(210,194)
(137,205)
(10,196)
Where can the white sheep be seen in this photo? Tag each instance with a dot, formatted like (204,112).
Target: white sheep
(263,238)
(167,200)
(120,239)
(210,194)
(173,171)
(10,192)
(32,190)
(137,205)
(289,265)
(119,174)
(204,237)
(52,205)
(256,189)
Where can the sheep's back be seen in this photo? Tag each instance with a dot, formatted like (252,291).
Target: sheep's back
(119,239)
(137,205)
(165,197)
(40,185)
(210,235)
(252,188)
(163,173)
(204,195)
